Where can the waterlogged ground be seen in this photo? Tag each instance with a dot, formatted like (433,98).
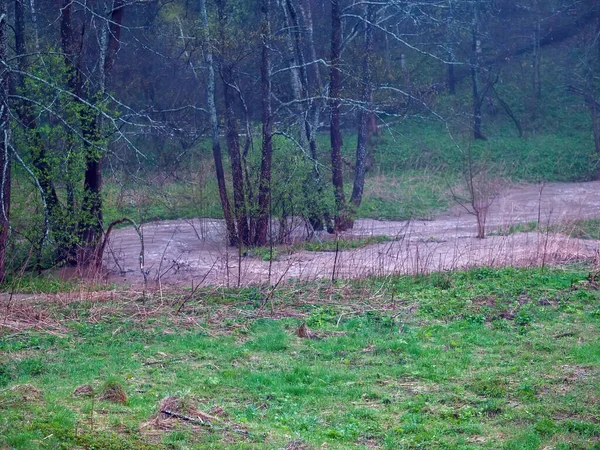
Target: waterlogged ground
(485,359)
(186,251)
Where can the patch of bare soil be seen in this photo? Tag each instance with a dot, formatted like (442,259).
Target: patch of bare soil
(183,252)
(176,412)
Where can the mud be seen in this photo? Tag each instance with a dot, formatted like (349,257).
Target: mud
(183,252)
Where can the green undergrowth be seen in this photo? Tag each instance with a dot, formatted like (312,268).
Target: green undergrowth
(332,245)
(490,358)
(49,283)
(583,229)
(515,228)
(415,164)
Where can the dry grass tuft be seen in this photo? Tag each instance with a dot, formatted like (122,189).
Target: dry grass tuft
(84,390)
(182,408)
(27,393)
(304,332)
(113,392)
(296,445)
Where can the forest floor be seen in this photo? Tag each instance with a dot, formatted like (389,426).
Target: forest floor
(527,225)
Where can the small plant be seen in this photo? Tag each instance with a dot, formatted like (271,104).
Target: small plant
(523,318)
(481,187)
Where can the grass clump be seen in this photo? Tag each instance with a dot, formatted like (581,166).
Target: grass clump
(114,392)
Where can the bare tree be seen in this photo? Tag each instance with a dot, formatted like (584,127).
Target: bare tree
(481,188)
(5,160)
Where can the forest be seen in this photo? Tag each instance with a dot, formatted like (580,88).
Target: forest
(299,224)
(272,110)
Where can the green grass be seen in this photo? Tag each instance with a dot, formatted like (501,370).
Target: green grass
(31,283)
(585,229)
(564,153)
(268,253)
(415,164)
(173,200)
(582,229)
(516,228)
(498,359)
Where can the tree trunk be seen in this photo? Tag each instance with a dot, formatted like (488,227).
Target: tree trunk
(233,148)
(596,127)
(536,84)
(451,80)
(315,106)
(214,125)
(5,166)
(310,109)
(264,187)
(365,113)
(34,142)
(232,133)
(293,61)
(450,37)
(475,60)
(92,223)
(341,217)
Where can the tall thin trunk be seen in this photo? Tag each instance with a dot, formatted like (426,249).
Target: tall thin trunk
(536,84)
(365,113)
(598,33)
(68,239)
(292,57)
(93,221)
(5,166)
(596,127)
(214,125)
(264,187)
(233,148)
(341,218)
(591,98)
(451,80)
(475,61)
(34,141)
(28,119)
(314,113)
(310,109)
(451,38)
(232,133)
(34,21)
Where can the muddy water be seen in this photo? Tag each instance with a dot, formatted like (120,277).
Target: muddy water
(186,251)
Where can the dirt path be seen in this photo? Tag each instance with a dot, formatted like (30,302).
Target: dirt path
(186,251)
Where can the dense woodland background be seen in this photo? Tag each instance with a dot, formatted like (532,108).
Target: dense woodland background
(116,111)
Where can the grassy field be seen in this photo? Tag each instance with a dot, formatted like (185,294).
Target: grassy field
(506,359)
